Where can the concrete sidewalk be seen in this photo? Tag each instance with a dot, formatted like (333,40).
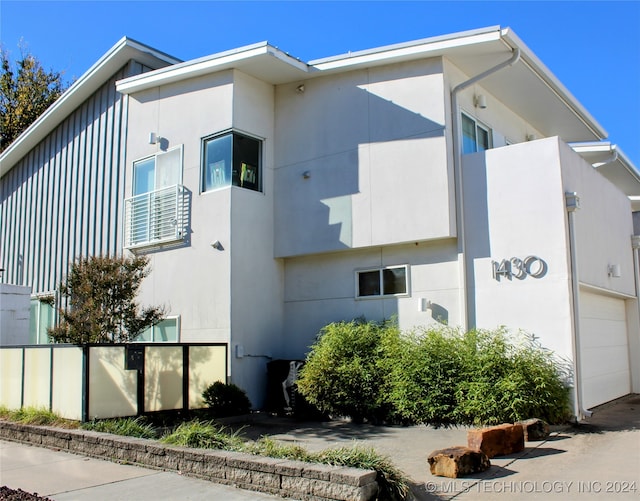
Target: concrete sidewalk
(68,477)
(600,457)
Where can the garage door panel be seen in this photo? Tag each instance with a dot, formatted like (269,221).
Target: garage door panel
(612,385)
(604,360)
(604,348)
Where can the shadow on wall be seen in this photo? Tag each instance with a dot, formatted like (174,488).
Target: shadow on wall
(316,212)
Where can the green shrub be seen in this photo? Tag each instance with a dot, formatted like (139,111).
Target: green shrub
(424,369)
(226,399)
(343,374)
(128,427)
(509,378)
(438,376)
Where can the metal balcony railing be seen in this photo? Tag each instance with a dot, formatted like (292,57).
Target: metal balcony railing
(155,217)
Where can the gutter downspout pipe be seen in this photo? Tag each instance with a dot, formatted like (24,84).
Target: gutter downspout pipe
(573,204)
(468,320)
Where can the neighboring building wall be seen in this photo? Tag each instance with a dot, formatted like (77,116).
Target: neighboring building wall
(14,314)
(64,199)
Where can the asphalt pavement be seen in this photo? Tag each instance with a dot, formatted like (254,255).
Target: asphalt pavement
(600,457)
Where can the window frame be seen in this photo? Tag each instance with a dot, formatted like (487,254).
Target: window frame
(37,300)
(155,156)
(381,285)
(233,133)
(477,124)
(153,336)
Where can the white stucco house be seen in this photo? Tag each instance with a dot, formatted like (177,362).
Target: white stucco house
(452,179)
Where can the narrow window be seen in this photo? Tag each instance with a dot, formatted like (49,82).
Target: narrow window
(232,160)
(475,137)
(42,317)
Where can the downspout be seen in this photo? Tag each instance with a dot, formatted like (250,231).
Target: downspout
(572,202)
(610,160)
(635,245)
(467,322)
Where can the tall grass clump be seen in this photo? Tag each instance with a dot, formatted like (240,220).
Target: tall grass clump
(205,435)
(343,374)
(38,416)
(393,484)
(128,427)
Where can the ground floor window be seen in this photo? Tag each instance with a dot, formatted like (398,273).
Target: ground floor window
(387,281)
(165,331)
(42,317)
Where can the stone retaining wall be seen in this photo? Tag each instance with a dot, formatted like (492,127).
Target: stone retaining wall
(294,479)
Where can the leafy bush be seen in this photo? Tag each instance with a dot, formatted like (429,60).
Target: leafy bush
(226,399)
(343,374)
(128,427)
(437,376)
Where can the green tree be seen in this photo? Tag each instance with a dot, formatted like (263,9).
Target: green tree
(100,293)
(26,91)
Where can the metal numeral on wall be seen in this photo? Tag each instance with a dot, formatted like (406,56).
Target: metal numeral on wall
(530,266)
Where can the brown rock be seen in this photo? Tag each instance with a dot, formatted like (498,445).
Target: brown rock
(534,429)
(457,461)
(497,440)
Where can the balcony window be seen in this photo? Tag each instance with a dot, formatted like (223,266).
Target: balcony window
(388,281)
(232,160)
(156,212)
(475,136)
(42,317)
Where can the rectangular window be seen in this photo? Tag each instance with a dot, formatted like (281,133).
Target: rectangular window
(156,211)
(475,137)
(389,281)
(232,160)
(42,317)
(165,331)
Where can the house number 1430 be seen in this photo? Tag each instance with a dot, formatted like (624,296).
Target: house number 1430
(530,266)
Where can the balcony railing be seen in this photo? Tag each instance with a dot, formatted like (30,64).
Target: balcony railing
(156,217)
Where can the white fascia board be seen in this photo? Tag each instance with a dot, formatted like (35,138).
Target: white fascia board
(545,74)
(124,50)
(420,48)
(206,65)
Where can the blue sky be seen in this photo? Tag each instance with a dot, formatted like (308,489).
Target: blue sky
(593,47)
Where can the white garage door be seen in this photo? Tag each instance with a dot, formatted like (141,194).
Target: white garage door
(605,349)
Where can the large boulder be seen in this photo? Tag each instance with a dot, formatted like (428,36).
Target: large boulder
(497,440)
(457,461)
(534,429)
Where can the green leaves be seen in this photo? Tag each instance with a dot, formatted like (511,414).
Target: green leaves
(438,376)
(26,91)
(100,293)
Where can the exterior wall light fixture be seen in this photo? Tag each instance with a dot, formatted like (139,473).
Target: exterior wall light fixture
(481,101)
(613,270)
(217,245)
(154,138)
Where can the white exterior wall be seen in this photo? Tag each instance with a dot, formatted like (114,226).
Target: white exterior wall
(15,301)
(193,280)
(373,145)
(321,289)
(256,277)
(515,208)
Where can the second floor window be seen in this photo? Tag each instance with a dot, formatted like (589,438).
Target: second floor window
(475,136)
(155,214)
(232,160)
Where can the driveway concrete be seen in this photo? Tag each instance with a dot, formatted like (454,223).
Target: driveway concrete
(597,458)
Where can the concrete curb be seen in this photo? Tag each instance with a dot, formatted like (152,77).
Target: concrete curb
(286,478)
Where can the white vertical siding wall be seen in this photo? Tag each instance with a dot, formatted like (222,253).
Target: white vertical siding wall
(63,199)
